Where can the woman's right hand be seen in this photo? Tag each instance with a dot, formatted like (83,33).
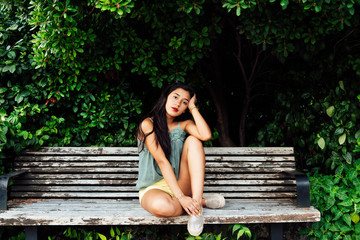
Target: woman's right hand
(190,205)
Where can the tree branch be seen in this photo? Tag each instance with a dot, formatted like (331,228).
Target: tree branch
(342,39)
(238,56)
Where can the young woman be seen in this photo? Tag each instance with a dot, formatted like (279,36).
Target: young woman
(172,159)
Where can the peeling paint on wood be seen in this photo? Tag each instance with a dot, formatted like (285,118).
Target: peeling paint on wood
(96,186)
(115,212)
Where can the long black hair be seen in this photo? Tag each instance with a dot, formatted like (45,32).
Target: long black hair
(158,114)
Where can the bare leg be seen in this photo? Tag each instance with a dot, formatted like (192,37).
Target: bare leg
(192,169)
(191,182)
(161,204)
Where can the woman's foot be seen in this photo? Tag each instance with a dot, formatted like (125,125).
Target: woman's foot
(215,200)
(196,224)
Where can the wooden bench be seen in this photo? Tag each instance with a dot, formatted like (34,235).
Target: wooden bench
(72,186)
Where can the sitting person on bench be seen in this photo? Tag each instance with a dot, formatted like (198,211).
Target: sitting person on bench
(172,158)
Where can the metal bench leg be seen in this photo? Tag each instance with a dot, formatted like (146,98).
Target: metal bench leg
(276,231)
(31,233)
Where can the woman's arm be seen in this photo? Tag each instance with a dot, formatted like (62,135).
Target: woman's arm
(165,167)
(200,129)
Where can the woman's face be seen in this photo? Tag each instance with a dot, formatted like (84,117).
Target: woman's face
(177,102)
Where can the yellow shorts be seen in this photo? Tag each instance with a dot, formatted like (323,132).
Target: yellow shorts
(161,185)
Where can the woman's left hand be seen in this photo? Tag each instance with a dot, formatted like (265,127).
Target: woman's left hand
(192,101)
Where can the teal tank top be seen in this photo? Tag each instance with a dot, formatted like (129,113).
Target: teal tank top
(149,171)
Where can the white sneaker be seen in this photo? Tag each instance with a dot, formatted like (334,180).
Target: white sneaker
(215,200)
(196,224)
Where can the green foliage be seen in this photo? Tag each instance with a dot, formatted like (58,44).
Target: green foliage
(282,30)
(325,132)
(83,234)
(236,231)
(205,236)
(324,129)
(14,42)
(238,5)
(49,99)
(65,37)
(241,230)
(54,96)
(189,6)
(48,44)
(124,233)
(95,117)
(20,236)
(337,196)
(337,139)
(119,7)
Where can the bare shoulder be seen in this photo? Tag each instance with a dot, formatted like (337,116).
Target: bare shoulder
(147,125)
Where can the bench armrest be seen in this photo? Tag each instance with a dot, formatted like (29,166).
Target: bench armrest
(302,188)
(4,180)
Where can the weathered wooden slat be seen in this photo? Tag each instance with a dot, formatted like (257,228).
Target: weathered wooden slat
(96,188)
(265,158)
(77,158)
(210,176)
(135,165)
(134,151)
(34,176)
(250,189)
(248,164)
(132,182)
(98,212)
(265,195)
(120,205)
(253,170)
(249,151)
(75,182)
(134,170)
(127,188)
(75,164)
(80,170)
(105,195)
(83,151)
(251,182)
(131,158)
(222,176)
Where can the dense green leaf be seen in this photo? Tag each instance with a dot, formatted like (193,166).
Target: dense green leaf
(330,111)
(102,237)
(321,143)
(348,158)
(355,218)
(342,139)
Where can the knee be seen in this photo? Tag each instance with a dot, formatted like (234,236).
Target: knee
(193,142)
(163,208)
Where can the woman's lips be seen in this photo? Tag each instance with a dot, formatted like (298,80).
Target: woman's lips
(174,109)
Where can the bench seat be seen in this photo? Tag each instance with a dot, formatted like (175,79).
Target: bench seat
(90,186)
(129,212)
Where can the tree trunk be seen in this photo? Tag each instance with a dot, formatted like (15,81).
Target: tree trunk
(256,63)
(222,124)
(215,88)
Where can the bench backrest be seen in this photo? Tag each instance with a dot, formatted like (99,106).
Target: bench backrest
(111,172)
